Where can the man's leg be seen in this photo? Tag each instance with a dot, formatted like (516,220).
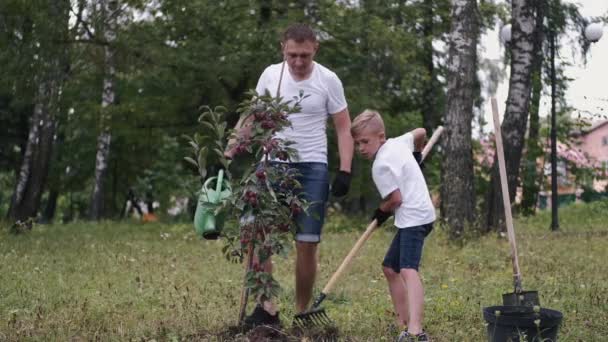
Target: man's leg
(415,299)
(398,291)
(306,271)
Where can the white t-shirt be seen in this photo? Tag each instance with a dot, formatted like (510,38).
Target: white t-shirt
(396,168)
(308,128)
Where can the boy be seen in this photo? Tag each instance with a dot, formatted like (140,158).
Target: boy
(401,184)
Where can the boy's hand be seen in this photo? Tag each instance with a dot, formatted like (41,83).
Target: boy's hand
(341,184)
(418,157)
(381,216)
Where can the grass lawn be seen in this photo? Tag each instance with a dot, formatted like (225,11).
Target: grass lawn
(129,281)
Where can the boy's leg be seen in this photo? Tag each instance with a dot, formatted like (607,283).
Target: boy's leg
(398,292)
(411,244)
(415,300)
(396,286)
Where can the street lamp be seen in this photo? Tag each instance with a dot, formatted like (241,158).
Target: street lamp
(593,33)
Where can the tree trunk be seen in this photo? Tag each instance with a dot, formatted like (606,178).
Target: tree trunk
(530,185)
(51,206)
(33,173)
(107,100)
(516,112)
(457,186)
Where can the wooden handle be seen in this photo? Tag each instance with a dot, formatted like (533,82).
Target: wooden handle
(368,232)
(427,148)
(505,197)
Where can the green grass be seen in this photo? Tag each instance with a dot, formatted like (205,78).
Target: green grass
(130,281)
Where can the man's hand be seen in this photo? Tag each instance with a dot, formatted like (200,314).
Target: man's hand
(341,184)
(381,216)
(418,157)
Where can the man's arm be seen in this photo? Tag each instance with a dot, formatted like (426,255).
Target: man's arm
(346,144)
(242,130)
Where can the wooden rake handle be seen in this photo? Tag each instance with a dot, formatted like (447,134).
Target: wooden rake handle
(427,148)
(334,278)
(505,198)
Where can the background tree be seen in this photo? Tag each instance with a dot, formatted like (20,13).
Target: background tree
(46,31)
(518,103)
(457,186)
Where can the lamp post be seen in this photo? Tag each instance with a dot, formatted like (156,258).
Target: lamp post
(593,33)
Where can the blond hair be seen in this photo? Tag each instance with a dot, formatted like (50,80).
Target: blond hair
(368,120)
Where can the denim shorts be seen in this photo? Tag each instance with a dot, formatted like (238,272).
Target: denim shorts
(314,178)
(406,249)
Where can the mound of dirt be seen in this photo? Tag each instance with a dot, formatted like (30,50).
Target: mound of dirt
(268,333)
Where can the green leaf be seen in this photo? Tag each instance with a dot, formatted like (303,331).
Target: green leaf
(191,161)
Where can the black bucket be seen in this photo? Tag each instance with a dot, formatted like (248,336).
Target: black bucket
(522,324)
(525,298)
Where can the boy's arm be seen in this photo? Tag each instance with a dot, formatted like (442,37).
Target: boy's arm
(387,207)
(419,135)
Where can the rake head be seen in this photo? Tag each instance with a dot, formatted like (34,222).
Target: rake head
(311,318)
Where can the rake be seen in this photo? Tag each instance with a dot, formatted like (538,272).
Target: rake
(316,315)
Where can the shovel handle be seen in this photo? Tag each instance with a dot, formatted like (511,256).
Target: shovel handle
(505,198)
(334,278)
(429,145)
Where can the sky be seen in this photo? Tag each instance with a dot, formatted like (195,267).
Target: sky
(589,89)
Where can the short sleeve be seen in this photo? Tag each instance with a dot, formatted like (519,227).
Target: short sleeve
(384,178)
(336,101)
(261,87)
(408,140)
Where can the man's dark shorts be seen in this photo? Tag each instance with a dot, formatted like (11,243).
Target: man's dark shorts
(314,178)
(406,249)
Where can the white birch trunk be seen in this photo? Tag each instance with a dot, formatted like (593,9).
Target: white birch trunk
(35,164)
(457,189)
(518,104)
(107,100)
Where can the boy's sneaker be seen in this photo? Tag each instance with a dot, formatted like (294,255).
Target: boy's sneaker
(259,316)
(407,337)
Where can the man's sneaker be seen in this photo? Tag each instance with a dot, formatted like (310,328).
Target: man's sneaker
(407,337)
(259,316)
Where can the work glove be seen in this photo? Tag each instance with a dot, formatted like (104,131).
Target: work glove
(418,157)
(341,184)
(381,216)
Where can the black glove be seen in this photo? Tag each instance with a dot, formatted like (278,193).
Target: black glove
(381,216)
(341,184)
(418,157)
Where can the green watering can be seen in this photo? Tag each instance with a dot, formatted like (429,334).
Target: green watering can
(206,222)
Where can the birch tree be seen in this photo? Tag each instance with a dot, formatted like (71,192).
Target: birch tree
(518,104)
(457,186)
(109,9)
(52,58)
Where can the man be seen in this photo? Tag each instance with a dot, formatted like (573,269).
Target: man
(324,95)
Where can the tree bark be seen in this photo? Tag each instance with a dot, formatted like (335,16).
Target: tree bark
(530,185)
(516,113)
(33,173)
(104,138)
(457,186)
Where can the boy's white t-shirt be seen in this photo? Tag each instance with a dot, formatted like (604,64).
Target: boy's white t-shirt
(396,168)
(326,96)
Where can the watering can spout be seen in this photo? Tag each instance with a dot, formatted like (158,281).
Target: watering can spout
(208,220)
